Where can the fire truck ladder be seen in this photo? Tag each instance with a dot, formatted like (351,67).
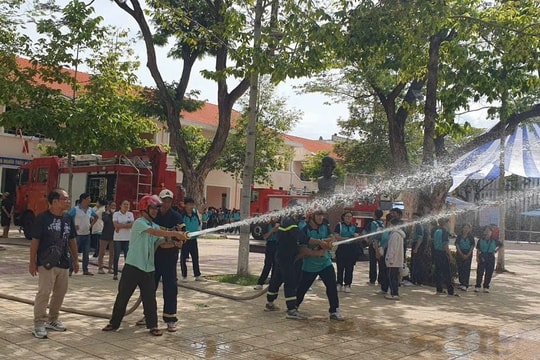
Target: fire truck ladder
(144,175)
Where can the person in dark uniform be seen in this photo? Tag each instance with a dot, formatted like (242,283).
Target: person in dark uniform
(7,211)
(288,264)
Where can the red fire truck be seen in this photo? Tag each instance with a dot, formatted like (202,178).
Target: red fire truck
(265,200)
(109,175)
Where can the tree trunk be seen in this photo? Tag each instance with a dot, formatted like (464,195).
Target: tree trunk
(249,165)
(500,267)
(194,186)
(430,106)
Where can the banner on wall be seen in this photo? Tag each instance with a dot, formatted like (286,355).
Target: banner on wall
(6,161)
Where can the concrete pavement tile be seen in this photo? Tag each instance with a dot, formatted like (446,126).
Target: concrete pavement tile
(317,355)
(101,349)
(430,354)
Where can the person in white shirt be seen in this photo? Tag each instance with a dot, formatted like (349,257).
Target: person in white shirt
(97,228)
(122,220)
(84,218)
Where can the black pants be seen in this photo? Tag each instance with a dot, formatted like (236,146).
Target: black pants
(393,280)
(328,276)
(372,265)
(464,270)
(269,261)
(345,260)
(190,248)
(165,261)
(383,275)
(119,247)
(286,272)
(132,278)
(486,264)
(417,268)
(443,274)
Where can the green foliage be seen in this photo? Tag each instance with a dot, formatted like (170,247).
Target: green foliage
(100,113)
(196,142)
(274,119)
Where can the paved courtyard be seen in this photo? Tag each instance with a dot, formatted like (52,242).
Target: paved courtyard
(504,324)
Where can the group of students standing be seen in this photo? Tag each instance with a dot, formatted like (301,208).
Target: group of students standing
(298,251)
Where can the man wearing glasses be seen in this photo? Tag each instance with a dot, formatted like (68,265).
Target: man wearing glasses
(52,228)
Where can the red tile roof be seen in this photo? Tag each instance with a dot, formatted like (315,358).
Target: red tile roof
(65,89)
(207,115)
(313,146)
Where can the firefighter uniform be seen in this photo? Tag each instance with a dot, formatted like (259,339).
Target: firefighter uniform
(288,265)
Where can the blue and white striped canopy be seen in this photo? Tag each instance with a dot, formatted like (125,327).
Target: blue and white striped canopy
(522,157)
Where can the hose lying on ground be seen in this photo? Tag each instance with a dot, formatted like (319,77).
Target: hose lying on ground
(138,302)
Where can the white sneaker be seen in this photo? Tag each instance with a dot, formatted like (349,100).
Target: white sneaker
(476,289)
(257,287)
(56,325)
(463,288)
(184,278)
(347,288)
(199,278)
(407,283)
(391,297)
(337,316)
(486,290)
(39,332)
(339,287)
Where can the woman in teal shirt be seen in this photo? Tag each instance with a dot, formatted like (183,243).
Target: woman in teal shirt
(464,249)
(485,257)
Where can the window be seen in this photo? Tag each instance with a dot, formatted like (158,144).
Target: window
(24,176)
(43,174)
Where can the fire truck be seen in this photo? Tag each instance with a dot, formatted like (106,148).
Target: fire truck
(111,175)
(265,200)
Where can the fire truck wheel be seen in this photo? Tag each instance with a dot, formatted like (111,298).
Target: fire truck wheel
(257,231)
(27,220)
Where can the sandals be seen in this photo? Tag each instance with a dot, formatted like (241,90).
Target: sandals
(109,327)
(156,332)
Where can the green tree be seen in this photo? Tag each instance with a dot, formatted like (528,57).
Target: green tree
(99,114)
(273,120)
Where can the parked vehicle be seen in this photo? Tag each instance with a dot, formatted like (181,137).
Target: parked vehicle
(110,175)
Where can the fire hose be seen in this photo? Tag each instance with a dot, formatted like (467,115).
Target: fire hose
(138,301)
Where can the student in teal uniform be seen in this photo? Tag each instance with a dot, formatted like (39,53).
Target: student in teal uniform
(486,248)
(346,254)
(464,251)
(313,266)
(190,247)
(270,251)
(442,257)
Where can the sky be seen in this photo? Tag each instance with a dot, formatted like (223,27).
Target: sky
(319,119)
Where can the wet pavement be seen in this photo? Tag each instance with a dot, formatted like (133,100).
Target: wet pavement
(504,324)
